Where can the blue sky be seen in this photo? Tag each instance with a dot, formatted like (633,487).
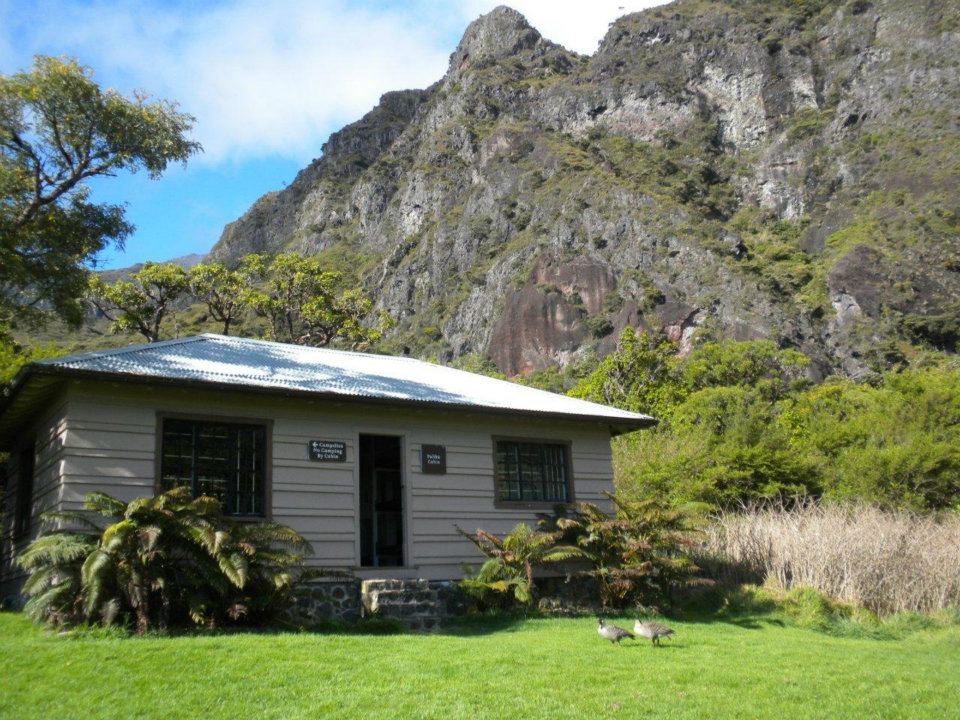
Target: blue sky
(267,80)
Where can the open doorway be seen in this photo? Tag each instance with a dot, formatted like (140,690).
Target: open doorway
(381,501)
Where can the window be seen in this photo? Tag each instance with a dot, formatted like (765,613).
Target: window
(25,467)
(223,460)
(532,472)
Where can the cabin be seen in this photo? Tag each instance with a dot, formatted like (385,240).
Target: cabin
(374,459)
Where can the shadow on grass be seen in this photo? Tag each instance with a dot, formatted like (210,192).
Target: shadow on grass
(462,626)
(371,627)
(756,608)
(746,621)
(485,623)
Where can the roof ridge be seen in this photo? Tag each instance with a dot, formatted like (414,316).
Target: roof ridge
(335,351)
(112,352)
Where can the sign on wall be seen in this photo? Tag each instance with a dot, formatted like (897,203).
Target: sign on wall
(433,459)
(327,450)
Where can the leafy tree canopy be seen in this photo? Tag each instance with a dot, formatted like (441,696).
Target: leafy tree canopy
(141,303)
(222,290)
(640,376)
(59,129)
(14,356)
(306,304)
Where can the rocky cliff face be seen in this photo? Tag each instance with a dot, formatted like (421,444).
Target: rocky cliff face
(743,169)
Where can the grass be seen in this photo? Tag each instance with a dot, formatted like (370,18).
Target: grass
(489,668)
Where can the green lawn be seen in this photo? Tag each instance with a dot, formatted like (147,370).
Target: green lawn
(547,668)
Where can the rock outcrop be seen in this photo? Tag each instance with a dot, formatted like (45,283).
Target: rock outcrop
(758,169)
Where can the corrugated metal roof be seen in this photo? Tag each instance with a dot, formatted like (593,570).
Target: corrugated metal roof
(261,364)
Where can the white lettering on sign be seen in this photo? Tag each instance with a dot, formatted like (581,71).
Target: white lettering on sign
(433,459)
(327,450)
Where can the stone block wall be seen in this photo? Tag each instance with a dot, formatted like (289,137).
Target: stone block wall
(421,605)
(330,599)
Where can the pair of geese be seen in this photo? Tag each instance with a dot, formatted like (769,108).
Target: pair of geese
(653,631)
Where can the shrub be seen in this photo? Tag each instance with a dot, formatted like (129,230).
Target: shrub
(157,562)
(639,554)
(508,573)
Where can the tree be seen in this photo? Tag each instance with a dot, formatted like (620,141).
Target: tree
(13,356)
(754,363)
(639,376)
(223,290)
(308,305)
(141,303)
(59,129)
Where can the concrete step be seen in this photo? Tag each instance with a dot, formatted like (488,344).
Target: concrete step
(403,596)
(395,584)
(412,602)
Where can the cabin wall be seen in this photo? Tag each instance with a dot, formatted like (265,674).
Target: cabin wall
(48,432)
(109,438)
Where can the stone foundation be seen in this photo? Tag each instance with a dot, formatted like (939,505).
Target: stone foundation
(421,605)
(330,599)
(451,597)
(567,597)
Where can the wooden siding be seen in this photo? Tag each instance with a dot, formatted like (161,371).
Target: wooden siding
(109,441)
(48,432)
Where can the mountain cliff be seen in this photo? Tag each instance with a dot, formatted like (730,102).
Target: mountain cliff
(744,169)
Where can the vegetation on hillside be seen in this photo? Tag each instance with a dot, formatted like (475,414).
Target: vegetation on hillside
(739,422)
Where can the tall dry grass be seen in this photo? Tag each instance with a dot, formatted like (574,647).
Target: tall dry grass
(885,561)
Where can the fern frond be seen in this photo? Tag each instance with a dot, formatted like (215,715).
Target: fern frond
(54,549)
(104,505)
(69,517)
(235,567)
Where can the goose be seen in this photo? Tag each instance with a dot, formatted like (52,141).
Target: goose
(652,631)
(611,632)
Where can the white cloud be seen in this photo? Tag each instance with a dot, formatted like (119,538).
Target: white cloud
(262,78)
(578,25)
(275,77)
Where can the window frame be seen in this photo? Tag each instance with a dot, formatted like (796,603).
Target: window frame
(23,507)
(567,446)
(267,426)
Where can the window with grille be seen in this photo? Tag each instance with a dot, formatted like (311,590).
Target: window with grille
(223,460)
(532,472)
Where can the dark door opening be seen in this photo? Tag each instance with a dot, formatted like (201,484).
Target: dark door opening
(381,501)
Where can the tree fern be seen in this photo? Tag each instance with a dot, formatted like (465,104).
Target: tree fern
(159,560)
(639,553)
(513,560)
